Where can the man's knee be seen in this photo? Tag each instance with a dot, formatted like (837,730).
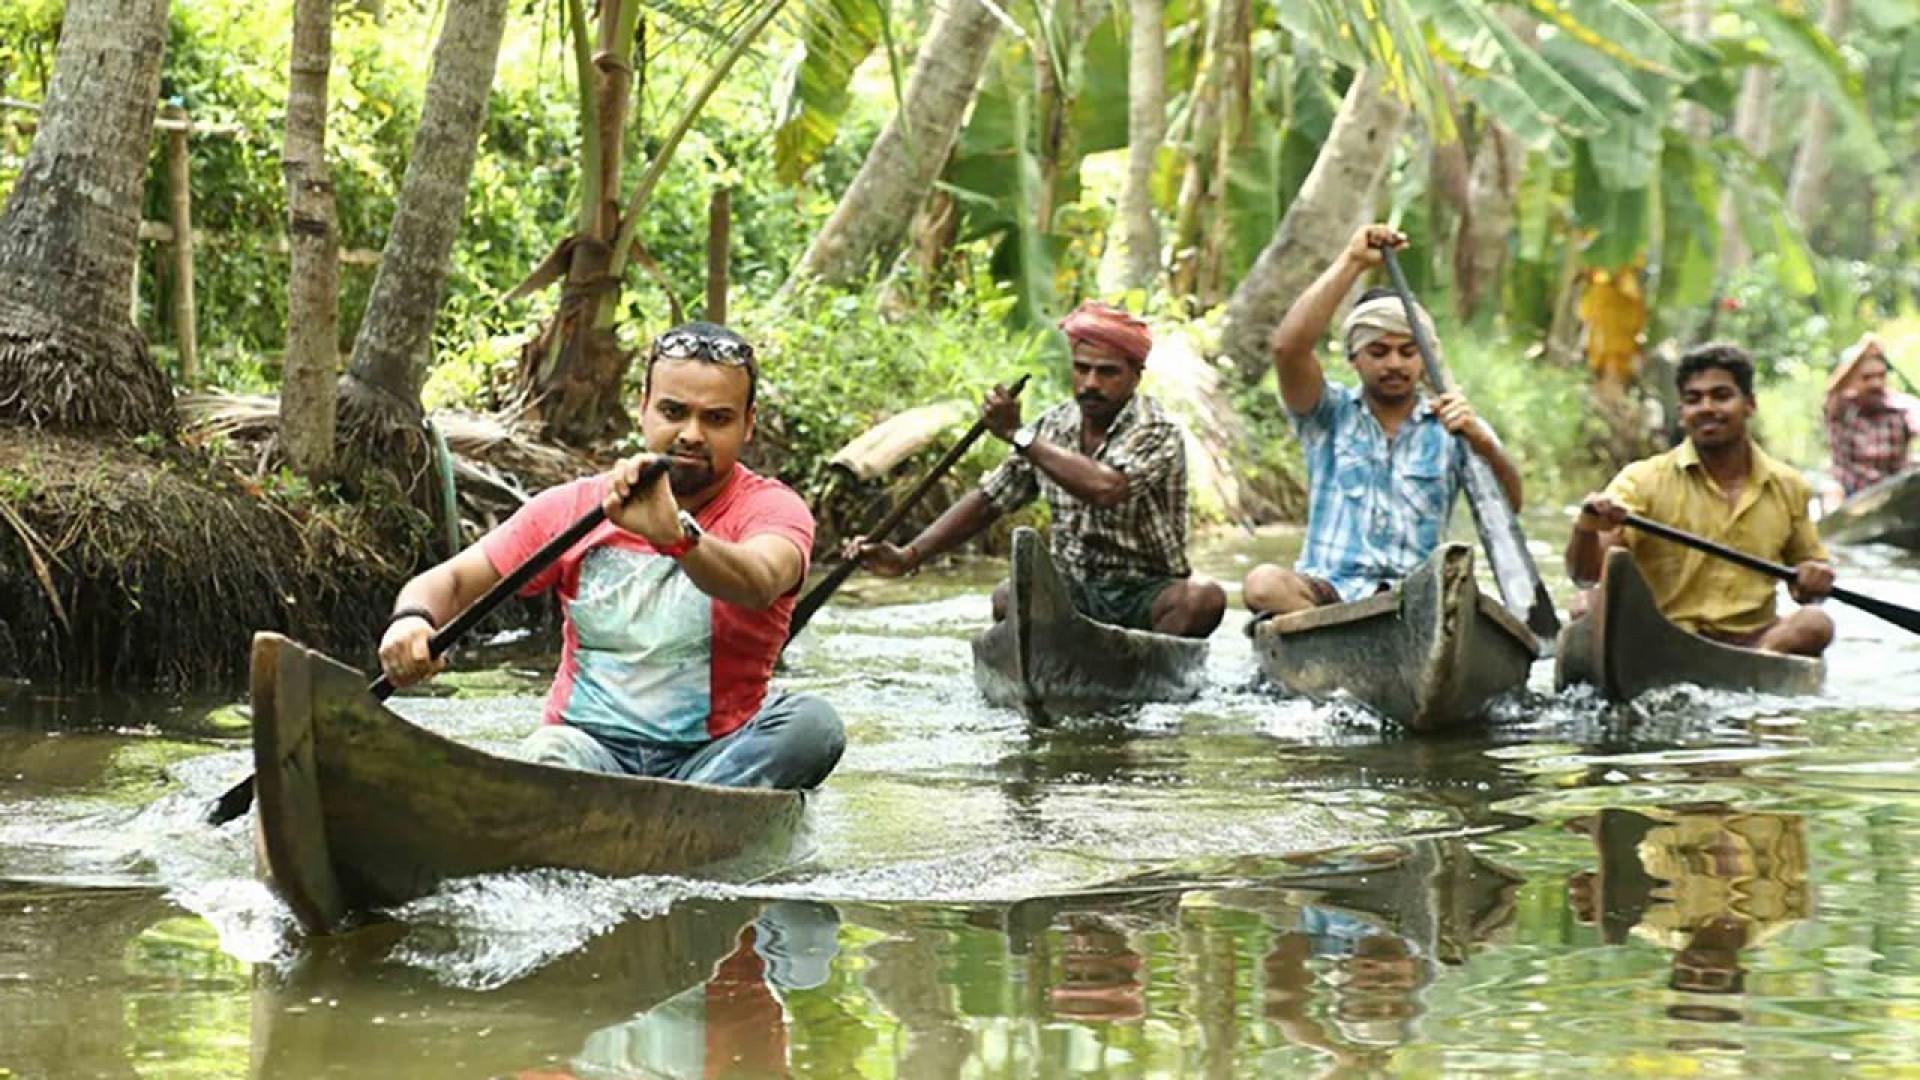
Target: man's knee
(810,738)
(1269,588)
(567,747)
(1192,608)
(1816,630)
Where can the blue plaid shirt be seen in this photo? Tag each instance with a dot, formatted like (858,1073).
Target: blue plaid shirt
(1377,507)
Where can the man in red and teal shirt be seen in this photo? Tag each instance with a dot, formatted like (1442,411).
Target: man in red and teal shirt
(674,609)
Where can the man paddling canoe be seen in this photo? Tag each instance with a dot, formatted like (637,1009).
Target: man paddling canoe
(1718,484)
(1869,428)
(674,609)
(1112,466)
(1382,464)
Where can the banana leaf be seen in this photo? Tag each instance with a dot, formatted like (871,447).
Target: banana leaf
(1617,219)
(1689,226)
(836,36)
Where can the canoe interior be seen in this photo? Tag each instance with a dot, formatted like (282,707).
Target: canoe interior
(1047,659)
(1884,513)
(361,810)
(1625,647)
(1430,654)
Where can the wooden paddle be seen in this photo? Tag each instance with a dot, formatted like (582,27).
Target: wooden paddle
(1902,617)
(1506,546)
(817,597)
(234,801)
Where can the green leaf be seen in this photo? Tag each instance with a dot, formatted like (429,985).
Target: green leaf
(836,36)
(1617,220)
(1689,226)
(1595,76)
(1761,210)
(1808,57)
(1623,156)
(1619,29)
(1100,89)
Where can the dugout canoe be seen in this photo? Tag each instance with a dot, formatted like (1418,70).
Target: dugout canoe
(1625,647)
(1047,659)
(1430,654)
(360,810)
(1887,512)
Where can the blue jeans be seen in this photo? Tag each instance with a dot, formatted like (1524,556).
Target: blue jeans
(793,742)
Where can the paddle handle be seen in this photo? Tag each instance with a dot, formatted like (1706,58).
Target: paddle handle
(817,597)
(1701,543)
(1519,580)
(1904,617)
(445,637)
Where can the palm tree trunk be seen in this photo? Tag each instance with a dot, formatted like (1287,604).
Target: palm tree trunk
(1146,129)
(1319,222)
(1493,183)
(307,392)
(69,355)
(391,353)
(1807,183)
(870,223)
(1203,144)
(1234,71)
(1753,126)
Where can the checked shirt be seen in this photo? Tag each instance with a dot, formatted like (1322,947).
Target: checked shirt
(1376,507)
(1871,445)
(1145,536)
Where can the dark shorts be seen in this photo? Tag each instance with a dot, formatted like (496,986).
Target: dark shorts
(1323,591)
(1122,601)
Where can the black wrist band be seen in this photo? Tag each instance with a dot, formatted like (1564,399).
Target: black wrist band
(413,613)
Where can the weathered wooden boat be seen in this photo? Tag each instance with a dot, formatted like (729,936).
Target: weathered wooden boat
(361,810)
(1048,659)
(1430,654)
(1625,647)
(1887,512)
(386,1017)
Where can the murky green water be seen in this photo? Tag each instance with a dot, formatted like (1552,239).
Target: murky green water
(1694,885)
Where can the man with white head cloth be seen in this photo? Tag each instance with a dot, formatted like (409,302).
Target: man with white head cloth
(1383,465)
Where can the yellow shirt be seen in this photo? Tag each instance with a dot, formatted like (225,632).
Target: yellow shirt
(1694,589)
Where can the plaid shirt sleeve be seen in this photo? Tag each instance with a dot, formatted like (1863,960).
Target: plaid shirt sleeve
(1147,456)
(1012,485)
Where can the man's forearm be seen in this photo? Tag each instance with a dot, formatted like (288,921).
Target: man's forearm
(1504,470)
(1584,550)
(1084,478)
(958,525)
(738,573)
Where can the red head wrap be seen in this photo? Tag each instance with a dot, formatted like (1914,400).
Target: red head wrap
(1104,324)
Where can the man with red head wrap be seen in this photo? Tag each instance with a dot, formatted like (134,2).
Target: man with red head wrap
(1112,466)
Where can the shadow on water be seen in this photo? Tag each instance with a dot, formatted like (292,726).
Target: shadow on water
(1239,885)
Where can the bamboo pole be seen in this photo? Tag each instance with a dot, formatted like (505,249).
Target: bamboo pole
(719,236)
(180,213)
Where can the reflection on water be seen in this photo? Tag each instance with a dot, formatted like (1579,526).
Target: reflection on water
(1700,883)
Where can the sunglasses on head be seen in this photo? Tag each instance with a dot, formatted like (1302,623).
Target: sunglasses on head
(687,345)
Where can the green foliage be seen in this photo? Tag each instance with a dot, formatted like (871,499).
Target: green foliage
(814,91)
(834,363)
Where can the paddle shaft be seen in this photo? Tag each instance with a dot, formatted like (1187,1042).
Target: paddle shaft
(234,801)
(817,597)
(1905,618)
(1500,535)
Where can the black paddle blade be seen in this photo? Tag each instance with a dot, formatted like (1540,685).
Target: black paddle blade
(1903,617)
(1541,618)
(232,803)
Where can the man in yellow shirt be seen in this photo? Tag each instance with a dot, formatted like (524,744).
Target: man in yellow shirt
(1719,485)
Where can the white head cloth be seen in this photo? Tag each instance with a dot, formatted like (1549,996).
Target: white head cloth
(1383,315)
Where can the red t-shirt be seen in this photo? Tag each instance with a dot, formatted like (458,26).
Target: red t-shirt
(647,655)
